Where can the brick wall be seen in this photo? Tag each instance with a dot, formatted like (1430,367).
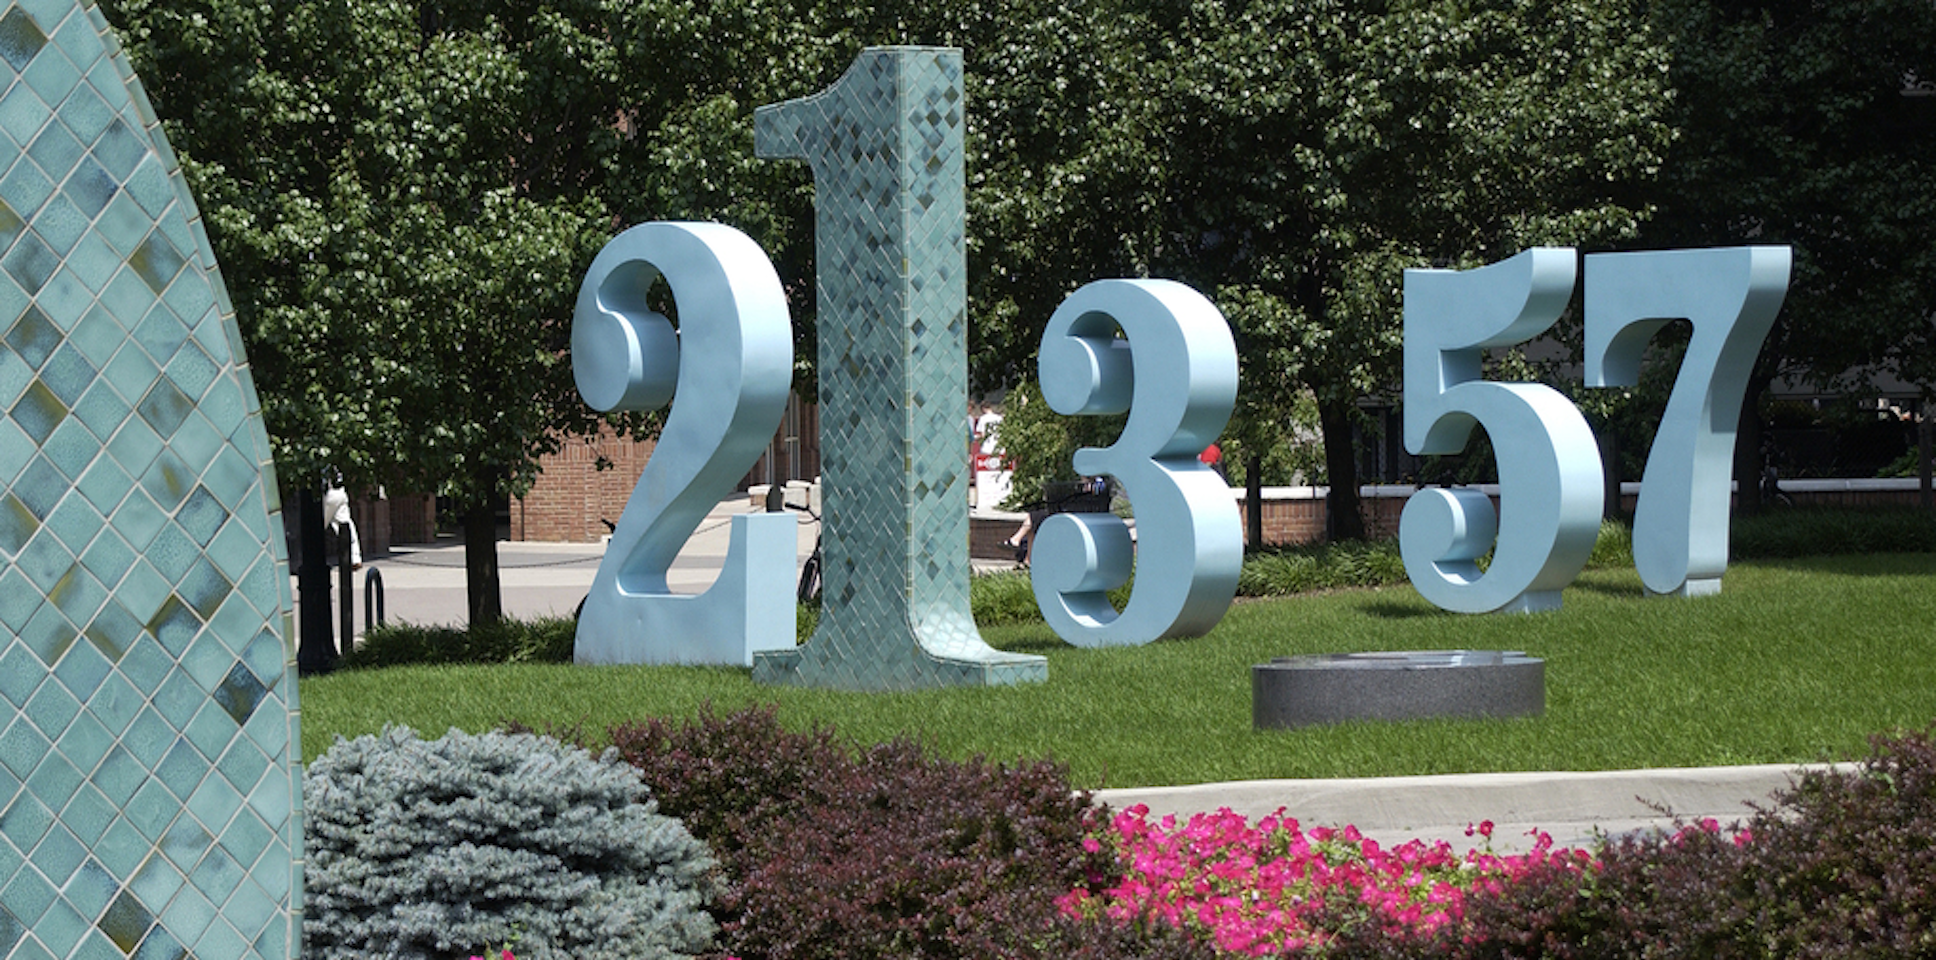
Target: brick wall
(572,494)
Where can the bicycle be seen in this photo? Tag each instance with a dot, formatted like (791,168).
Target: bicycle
(809,589)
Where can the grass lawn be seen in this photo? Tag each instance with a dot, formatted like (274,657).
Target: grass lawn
(1796,660)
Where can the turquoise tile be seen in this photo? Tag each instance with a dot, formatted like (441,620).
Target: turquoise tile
(139,520)
(88,116)
(54,150)
(44,561)
(76,523)
(169,480)
(80,39)
(126,921)
(41,487)
(72,448)
(270,798)
(243,766)
(123,224)
(181,771)
(174,626)
(20,38)
(65,299)
(207,664)
(91,888)
(52,76)
(122,848)
(238,694)
(161,332)
(151,812)
(147,740)
(160,945)
(22,113)
(223,407)
(204,588)
(33,337)
(88,816)
(157,260)
(201,515)
(234,622)
(82,671)
(12,225)
(108,558)
(60,224)
(61,928)
(25,188)
(266,656)
(38,411)
(118,150)
(51,710)
(232,480)
(84,743)
(97,946)
(60,854)
(17,527)
(250,913)
(98,335)
(220,940)
(50,14)
(135,445)
(15,376)
(192,370)
(24,823)
(78,594)
(157,881)
(144,590)
(132,372)
(193,301)
(29,895)
(116,704)
(102,410)
(271,733)
(21,674)
(93,262)
(195,439)
(214,803)
(164,407)
(236,551)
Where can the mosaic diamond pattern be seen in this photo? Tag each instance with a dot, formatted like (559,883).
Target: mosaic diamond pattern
(885,147)
(148,792)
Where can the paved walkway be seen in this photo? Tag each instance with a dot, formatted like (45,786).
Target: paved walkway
(425,584)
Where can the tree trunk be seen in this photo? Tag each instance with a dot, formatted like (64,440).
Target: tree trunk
(480,564)
(1254,500)
(1748,459)
(1923,452)
(1342,519)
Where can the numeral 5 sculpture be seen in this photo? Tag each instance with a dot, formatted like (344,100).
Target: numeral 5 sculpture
(1549,468)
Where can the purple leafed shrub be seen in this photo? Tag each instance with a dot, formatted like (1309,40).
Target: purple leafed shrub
(883,851)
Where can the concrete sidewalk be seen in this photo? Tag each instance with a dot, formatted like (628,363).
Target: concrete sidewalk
(425,584)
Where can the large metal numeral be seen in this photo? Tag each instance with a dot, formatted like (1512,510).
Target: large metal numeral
(731,362)
(1680,530)
(1176,375)
(1549,466)
(885,146)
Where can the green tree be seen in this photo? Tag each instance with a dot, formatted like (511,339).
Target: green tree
(1812,124)
(1315,150)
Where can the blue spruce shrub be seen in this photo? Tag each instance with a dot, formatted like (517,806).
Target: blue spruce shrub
(444,848)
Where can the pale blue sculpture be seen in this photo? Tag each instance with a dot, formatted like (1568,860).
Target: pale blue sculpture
(728,369)
(1175,373)
(885,146)
(1731,295)
(148,765)
(1550,485)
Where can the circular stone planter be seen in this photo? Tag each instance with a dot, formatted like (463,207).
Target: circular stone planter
(1407,685)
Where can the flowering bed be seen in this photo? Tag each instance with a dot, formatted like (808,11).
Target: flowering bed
(1276,888)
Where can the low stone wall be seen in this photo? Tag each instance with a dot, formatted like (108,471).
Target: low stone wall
(1295,515)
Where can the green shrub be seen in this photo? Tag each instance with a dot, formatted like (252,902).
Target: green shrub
(441,848)
(543,640)
(1282,571)
(1807,532)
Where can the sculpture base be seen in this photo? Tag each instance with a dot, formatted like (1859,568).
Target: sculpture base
(918,670)
(1409,685)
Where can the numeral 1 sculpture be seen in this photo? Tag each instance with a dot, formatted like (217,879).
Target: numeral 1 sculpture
(885,146)
(148,779)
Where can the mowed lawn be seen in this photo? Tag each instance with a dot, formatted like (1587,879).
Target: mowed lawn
(1795,660)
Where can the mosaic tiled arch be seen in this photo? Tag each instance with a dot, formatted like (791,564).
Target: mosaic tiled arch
(149,791)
